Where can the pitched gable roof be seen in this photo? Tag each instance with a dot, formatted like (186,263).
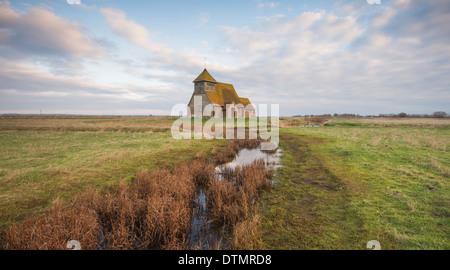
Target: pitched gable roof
(215,98)
(205,76)
(228,93)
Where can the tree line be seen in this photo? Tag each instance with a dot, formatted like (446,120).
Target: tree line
(438,114)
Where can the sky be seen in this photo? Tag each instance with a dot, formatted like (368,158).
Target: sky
(140,57)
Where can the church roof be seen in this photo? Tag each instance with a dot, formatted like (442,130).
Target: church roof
(227,92)
(224,93)
(214,98)
(205,76)
(245,101)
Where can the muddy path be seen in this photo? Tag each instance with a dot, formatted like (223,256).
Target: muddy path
(311,206)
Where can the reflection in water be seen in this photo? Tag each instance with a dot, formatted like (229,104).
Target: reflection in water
(248,156)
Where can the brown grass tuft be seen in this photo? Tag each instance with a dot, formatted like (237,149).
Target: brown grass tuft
(53,230)
(232,198)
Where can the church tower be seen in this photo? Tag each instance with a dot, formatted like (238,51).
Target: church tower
(204,82)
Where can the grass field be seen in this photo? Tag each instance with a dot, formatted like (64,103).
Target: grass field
(358,180)
(45,158)
(341,185)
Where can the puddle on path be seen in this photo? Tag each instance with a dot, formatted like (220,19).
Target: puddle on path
(248,156)
(203,234)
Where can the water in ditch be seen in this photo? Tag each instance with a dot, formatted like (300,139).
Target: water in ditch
(203,233)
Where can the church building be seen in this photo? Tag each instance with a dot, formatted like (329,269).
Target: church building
(222,96)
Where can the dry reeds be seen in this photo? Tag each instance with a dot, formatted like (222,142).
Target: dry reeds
(232,198)
(154,212)
(53,230)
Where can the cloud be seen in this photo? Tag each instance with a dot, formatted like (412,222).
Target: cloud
(28,79)
(24,88)
(131,31)
(262,4)
(38,75)
(41,32)
(354,58)
(178,61)
(183,63)
(203,18)
(309,35)
(373,60)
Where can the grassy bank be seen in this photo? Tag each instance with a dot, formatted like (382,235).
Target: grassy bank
(345,184)
(36,167)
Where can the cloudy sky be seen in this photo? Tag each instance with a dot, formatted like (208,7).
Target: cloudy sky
(140,57)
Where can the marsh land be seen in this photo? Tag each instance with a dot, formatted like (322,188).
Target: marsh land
(342,184)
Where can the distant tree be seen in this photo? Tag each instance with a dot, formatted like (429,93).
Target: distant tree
(402,115)
(439,114)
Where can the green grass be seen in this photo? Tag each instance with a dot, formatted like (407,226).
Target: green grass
(391,122)
(36,167)
(343,185)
